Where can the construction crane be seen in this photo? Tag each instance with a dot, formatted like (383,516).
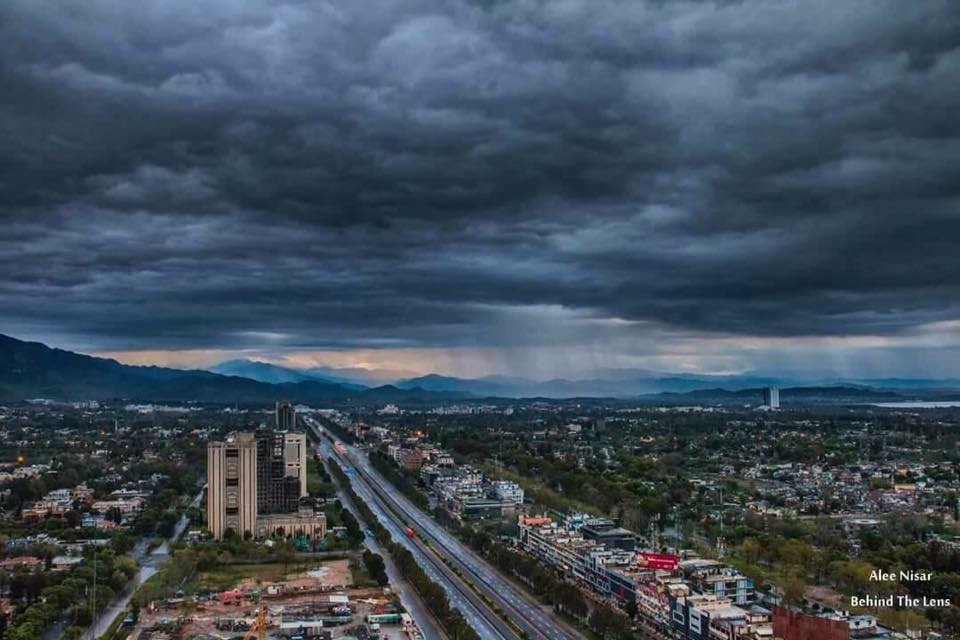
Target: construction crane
(260,624)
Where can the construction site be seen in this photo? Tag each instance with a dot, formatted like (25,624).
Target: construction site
(321,603)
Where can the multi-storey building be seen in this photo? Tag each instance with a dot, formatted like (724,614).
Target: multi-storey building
(281,471)
(508,492)
(771,397)
(667,594)
(716,578)
(232,485)
(286,416)
(411,459)
(708,617)
(607,533)
(255,482)
(295,458)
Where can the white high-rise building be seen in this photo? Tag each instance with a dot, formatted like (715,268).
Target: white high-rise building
(771,397)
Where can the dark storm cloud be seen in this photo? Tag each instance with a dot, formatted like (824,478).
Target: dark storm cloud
(402,173)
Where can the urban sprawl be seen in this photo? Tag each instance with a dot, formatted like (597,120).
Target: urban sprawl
(750,523)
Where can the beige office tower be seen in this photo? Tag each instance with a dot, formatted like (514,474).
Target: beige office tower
(232,485)
(295,458)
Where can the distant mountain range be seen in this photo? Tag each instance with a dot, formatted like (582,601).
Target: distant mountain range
(834,394)
(34,370)
(275,374)
(634,383)
(351,377)
(602,383)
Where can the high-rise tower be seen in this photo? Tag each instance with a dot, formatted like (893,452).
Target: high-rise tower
(253,476)
(771,397)
(286,416)
(232,485)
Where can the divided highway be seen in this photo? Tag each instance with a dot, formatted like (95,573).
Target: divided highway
(523,611)
(485,622)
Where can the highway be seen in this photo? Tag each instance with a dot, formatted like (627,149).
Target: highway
(408,596)
(485,622)
(521,608)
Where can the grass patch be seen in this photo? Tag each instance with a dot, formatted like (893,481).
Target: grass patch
(153,589)
(358,572)
(318,482)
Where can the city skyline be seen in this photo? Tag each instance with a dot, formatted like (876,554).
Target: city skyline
(486,188)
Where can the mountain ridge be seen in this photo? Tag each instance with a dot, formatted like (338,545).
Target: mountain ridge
(632,383)
(35,370)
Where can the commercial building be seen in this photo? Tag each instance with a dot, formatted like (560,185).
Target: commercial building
(281,471)
(286,416)
(771,397)
(718,579)
(709,617)
(303,523)
(411,459)
(689,600)
(295,458)
(477,509)
(255,485)
(509,492)
(232,485)
(607,533)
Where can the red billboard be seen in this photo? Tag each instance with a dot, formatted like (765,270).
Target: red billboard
(658,561)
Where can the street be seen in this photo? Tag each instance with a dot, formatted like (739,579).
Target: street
(153,563)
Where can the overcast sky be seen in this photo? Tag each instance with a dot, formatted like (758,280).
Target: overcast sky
(499,186)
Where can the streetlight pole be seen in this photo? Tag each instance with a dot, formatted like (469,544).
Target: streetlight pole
(93,599)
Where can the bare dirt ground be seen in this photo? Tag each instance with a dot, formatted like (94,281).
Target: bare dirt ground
(298,592)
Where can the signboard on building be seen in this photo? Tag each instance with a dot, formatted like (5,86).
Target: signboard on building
(657,561)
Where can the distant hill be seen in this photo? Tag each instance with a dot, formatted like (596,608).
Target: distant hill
(635,383)
(359,375)
(259,371)
(837,394)
(626,384)
(275,374)
(351,377)
(34,370)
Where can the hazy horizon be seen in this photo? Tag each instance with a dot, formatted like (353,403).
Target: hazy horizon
(347,366)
